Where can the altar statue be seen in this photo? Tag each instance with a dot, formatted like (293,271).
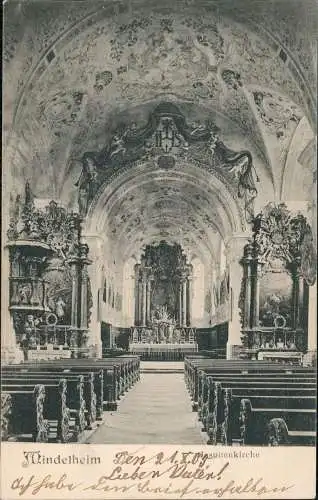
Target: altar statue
(164,315)
(170,333)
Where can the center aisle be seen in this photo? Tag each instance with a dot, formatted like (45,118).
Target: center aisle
(156,410)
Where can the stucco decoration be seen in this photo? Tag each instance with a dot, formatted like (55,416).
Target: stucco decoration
(168,134)
(279,116)
(80,67)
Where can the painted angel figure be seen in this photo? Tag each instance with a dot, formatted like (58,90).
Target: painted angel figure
(118,145)
(213,139)
(197,127)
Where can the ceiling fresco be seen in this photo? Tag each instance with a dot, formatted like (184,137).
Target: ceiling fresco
(75,73)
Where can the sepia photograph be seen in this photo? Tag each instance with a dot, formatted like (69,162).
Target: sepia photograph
(159,244)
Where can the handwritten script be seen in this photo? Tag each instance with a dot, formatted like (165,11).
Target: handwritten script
(177,475)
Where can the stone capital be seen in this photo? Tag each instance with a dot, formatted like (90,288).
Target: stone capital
(234,246)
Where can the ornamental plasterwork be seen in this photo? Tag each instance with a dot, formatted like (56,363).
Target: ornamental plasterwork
(279,116)
(202,40)
(193,54)
(168,135)
(57,19)
(52,225)
(291,26)
(281,237)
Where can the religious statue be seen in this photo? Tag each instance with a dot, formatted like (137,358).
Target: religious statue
(25,293)
(30,330)
(24,344)
(242,170)
(87,181)
(280,344)
(60,308)
(170,333)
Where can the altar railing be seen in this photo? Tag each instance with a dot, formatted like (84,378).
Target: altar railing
(263,339)
(56,337)
(146,335)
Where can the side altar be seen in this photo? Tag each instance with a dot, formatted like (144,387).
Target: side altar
(279,265)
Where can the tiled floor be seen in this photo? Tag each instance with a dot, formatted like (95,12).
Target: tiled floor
(156,410)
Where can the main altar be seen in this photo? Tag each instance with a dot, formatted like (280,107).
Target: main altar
(163,295)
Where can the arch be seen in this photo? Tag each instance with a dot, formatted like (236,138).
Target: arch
(126,206)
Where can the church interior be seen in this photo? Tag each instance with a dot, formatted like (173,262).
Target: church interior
(159,221)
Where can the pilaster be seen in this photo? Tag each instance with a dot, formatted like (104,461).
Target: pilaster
(235,251)
(92,269)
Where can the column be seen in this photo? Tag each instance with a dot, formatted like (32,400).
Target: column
(75,292)
(300,308)
(295,298)
(235,248)
(257,276)
(96,245)
(10,351)
(247,263)
(139,302)
(84,311)
(190,301)
(312,318)
(136,301)
(184,302)
(180,302)
(148,285)
(144,301)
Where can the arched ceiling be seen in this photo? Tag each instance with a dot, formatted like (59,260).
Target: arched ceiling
(146,205)
(75,71)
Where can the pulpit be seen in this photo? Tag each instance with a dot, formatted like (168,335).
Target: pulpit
(49,288)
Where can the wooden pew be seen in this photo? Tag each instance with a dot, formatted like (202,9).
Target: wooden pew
(240,410)
(116,377)
(91,386)
(6,411)
(81,397)
(255,422)
(23,412)
(231,393)
(208,366)
(55,408)
(75,390)
(278,434)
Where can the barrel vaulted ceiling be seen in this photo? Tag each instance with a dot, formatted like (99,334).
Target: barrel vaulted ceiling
(75,71)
